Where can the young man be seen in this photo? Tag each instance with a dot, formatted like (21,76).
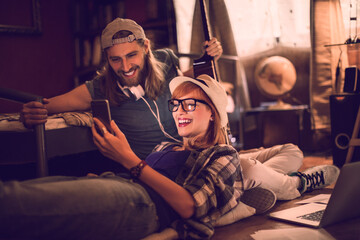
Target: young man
(135,79)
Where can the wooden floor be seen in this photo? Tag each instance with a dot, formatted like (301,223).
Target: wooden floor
(246,227)
(243,229)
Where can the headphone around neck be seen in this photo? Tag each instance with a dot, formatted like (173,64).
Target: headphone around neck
(137,92)
(134,92)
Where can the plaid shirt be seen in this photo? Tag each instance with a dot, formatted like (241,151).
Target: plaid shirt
(213,177)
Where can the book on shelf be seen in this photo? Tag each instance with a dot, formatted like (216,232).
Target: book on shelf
(96,54)
(87,53)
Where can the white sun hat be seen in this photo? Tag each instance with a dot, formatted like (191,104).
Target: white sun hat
(212,88)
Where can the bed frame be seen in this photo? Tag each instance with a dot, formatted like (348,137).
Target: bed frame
(37,144)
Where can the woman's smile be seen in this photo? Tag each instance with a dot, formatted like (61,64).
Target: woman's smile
(183,122)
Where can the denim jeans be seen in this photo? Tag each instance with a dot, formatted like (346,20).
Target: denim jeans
(88,208)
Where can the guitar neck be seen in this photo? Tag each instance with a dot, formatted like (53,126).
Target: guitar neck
(205,21)
(205,64)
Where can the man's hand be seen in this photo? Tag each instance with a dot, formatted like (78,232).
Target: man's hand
(34,113)
(213,48)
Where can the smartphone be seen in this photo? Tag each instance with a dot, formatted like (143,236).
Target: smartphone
(101,110)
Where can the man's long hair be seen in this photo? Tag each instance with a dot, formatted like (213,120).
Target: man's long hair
(153,74)
(214,134)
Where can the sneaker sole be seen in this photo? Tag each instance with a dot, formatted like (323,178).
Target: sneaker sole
(259,198)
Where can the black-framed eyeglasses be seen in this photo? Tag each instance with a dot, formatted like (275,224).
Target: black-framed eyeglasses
(188,104)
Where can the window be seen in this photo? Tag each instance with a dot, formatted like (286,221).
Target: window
(350,12)
(259,25)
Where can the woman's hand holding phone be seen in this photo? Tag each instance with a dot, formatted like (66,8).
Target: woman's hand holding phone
(101,110)
(114,146)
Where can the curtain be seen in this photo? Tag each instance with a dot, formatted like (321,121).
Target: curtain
(327,28)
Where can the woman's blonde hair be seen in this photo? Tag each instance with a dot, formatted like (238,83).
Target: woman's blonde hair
(214,134)
(153,75)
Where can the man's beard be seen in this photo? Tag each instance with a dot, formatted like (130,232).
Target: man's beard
(142,75)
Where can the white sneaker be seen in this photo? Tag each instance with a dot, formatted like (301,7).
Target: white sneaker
(318,177)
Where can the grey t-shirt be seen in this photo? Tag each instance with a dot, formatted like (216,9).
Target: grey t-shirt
(135,119)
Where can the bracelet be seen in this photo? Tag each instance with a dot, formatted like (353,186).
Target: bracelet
(135,172)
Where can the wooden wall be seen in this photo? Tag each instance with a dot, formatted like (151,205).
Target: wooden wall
(40,64)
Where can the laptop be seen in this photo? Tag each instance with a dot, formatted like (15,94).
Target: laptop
(344,203)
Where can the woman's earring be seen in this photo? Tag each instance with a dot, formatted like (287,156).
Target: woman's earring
(211,119)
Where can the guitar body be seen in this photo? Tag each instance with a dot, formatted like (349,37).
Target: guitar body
(204,65)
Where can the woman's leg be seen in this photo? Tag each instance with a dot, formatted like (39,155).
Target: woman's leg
(286,158)
(76,208)
(276,168)
(269,168)
(256,174)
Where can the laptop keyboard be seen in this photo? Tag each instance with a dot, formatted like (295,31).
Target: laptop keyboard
(315,216)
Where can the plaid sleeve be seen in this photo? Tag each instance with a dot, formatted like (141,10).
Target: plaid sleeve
(213,186)
(163,145)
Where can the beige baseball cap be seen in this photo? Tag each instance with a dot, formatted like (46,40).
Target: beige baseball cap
(117,25)
(212,88)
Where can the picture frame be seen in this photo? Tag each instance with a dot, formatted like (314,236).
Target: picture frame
(32,27)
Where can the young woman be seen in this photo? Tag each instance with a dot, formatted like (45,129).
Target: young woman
(190,187)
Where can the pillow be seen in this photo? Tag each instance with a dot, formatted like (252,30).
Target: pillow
(239,212)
